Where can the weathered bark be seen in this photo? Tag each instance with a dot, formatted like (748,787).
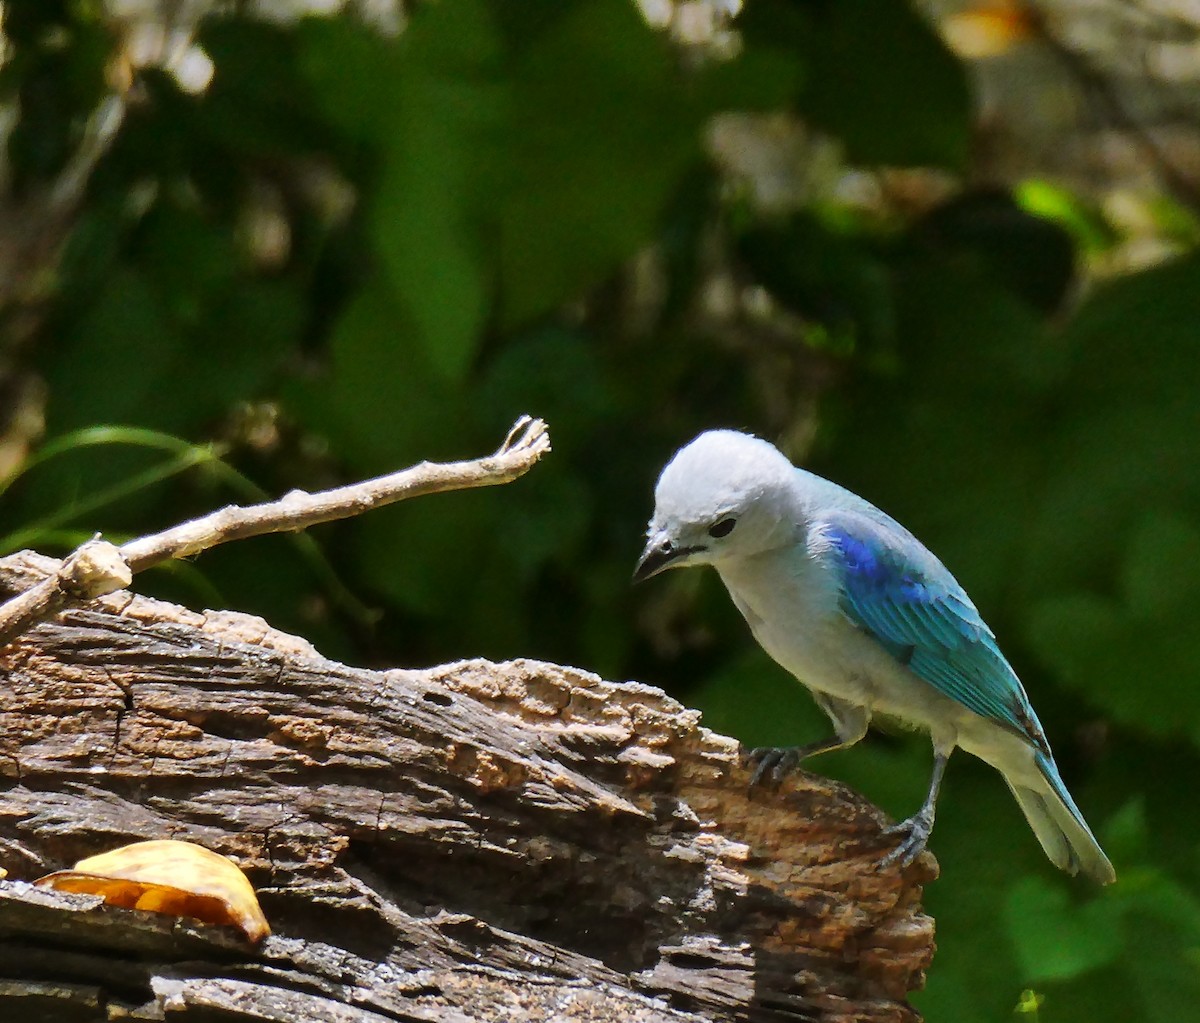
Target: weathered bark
(509,842)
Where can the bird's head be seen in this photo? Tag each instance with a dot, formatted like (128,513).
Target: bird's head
(724,495)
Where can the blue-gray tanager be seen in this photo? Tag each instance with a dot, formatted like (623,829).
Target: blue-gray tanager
(850,602)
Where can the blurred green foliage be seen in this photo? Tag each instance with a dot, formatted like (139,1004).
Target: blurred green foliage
(458,208)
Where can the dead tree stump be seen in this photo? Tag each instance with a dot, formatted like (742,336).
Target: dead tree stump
(479,841)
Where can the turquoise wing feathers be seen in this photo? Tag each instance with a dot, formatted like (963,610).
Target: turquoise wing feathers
(900,594)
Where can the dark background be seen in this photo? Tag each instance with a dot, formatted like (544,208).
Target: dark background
(243,251)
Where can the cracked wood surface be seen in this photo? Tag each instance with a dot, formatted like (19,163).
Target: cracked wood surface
(477,841)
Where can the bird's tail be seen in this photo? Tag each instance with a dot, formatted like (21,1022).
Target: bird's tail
(1059,826)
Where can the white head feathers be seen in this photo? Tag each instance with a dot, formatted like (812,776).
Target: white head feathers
(724,494)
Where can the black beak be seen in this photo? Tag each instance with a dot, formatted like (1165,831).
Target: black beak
(658,557)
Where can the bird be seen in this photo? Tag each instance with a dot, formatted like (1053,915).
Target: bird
(848,601)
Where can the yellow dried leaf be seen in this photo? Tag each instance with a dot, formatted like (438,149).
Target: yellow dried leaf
(989,28)
(176,878)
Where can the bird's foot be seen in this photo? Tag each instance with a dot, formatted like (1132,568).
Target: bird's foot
(914,836)
(775,762)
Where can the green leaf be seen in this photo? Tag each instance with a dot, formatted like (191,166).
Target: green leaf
(877,78)
(559,374)
(1102,647)
(259,103)
(189,258)
(1123,437)
(427,555)
(1084,222)
(353,71)
(113,363)
(1055,940)
(828,278)
(1160,566)
(761,77)
(531,161)
(950,444)
(425,219)
(432,105)
(755,700)
(381,403)
(1031,256)
(604,130)
(1126,834)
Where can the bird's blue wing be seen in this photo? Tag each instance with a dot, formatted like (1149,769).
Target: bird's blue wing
(899,593)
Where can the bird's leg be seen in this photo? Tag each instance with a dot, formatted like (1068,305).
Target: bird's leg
(779,761)
(849,725)
(915,831)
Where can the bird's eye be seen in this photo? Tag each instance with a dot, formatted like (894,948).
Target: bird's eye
(722,528)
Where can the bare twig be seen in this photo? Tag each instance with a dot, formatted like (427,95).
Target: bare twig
(94,569)
(1101,89)
(99,567)
(33,227)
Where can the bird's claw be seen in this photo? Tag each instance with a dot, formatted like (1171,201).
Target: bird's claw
(914,836)
(776,761)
